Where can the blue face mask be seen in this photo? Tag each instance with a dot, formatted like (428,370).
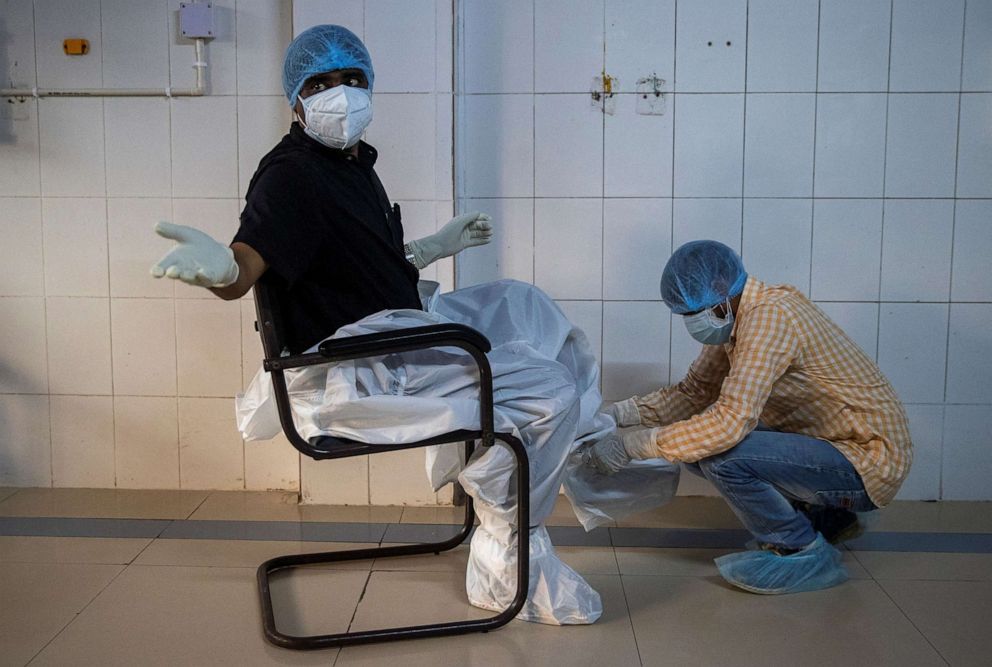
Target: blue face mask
(709,329)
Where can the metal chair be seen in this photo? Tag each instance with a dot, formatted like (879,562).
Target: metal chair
(443,335)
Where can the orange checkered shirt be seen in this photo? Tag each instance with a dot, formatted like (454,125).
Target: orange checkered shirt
(789,366)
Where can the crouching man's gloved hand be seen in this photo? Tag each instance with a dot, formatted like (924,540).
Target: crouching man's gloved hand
(465,231)
(614,452)
(197,259)
(625,413)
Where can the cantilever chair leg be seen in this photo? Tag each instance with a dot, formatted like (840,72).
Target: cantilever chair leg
(278,638)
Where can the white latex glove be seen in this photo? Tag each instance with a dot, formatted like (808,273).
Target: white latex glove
(465,231)
(625,413)
(197,259)
(607,455)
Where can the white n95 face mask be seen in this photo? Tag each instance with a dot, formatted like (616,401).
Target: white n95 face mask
(337,117)
(709,329)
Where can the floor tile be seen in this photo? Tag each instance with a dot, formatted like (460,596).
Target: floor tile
(952,614)
(241,553)
(946,516)
(589,560)
(39,599)
(284,506)
(70,549)
(636,561)
(106,503)
(453,561)
(7,492)
(693,621)
(203,616)
(686,512)
(279,531)
(47,526)
(397,597)
(926,566)
(433,515)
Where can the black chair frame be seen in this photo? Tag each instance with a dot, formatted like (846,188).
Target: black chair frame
(357,347)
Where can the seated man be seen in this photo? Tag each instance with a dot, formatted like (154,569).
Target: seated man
(317,227)
(833,435)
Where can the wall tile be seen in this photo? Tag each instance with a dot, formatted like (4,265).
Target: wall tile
(271,464)
(588,316)
(854,45)
(24,423)
(493,160)
(568,146)
(22,272)
(211,454)
(264,30)
(404,134)
(75,237)
(716,219)
(251,345)
(55,20)
(781,45)
(208,334)
(967,455)
(72,153)
(916,249)
(83,441)
(969,366)
(972,249)
(262,122)
(444,147)
(638,152)
(138,152)
(709,145)
(204,147)
(908,335)
(710,47)
(19,34)
(79,360)
(777,239)
(511,252)
(637,241)
(778,145)
(418,219)
(685,349)
(20,169)
(335,481)
(926,45)
(568,236)
(569,62)
(349,13)
(847,238)
(403,64)
(135,44)
(144,347)
(399,478)
(926,426)
(974,174)
(134,247)
(976,73)
(640,42)
(24,360)
(216,217)
(444,47)
(850,145)
(858,320)
(920,146)
(635,348)
(221,74)
(147,454)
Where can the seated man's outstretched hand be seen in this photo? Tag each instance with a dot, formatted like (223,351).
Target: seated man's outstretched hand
(197,259)
(465,231)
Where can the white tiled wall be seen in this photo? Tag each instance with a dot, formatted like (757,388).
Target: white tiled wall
(107,376)
(843,146)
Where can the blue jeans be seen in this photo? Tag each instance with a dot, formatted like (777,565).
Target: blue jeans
(761,476)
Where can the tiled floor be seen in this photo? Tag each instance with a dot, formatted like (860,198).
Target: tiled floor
(156,599)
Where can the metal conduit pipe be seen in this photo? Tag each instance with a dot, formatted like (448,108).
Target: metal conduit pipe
(199,65)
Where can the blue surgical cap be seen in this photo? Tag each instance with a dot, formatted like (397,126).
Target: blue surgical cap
(321,49)
(700,275)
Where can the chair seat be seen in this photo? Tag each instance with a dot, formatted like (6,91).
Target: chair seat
(330,447)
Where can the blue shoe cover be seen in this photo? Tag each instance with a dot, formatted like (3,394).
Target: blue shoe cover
(817,566)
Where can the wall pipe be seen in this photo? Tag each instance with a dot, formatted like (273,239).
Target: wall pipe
(199,65)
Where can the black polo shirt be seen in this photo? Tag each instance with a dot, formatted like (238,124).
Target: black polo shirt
(322,221)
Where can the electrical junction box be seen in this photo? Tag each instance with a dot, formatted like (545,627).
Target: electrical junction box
(196,20)
(75,47)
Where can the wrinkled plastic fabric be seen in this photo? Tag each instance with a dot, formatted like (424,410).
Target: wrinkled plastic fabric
(816,567)
(546,392)
(321,49)
(700,275)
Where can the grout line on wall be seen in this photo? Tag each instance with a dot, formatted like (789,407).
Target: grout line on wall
(671,245)
(885,164)
(816,110)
